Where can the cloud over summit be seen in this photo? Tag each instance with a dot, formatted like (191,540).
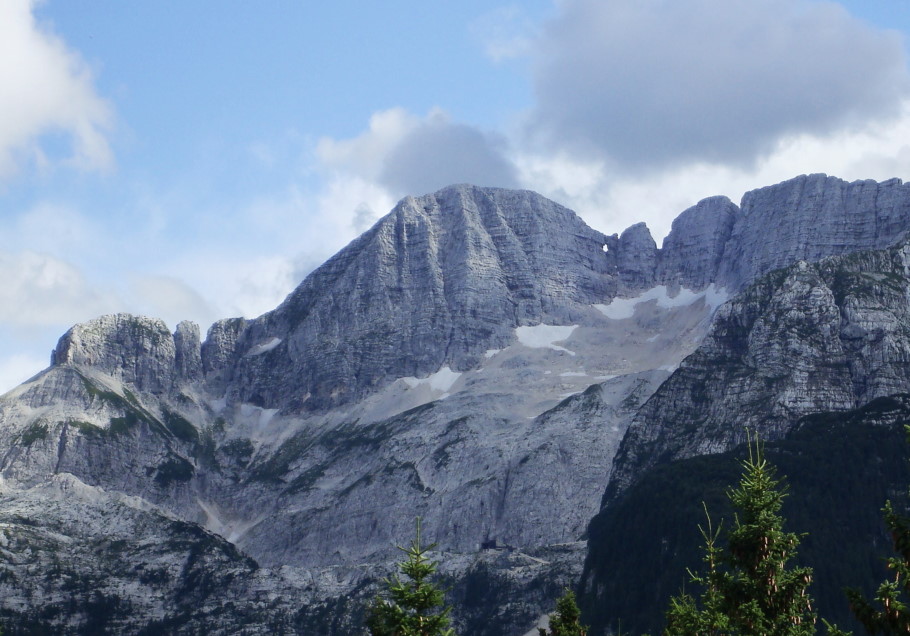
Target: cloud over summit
(412,155)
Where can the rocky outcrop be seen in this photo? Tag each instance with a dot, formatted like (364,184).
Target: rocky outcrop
(79,560)
(828,336)
(693,252)
(219,352)
(187,352)
(136,350)
(811,217)
(636,258)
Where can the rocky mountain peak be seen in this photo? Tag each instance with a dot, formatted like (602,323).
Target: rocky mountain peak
(445,277)
(437,282)
(134,349)
(693,251)
(636,257)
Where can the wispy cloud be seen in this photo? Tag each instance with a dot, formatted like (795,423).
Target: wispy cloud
(45,87)
(505,33)
(39,289)
(17,368)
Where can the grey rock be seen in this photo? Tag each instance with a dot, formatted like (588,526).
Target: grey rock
(693,252)
(188,352)
(219,351)
(437,282)
(811,217)
(822,337)
(636,258)
(136,350)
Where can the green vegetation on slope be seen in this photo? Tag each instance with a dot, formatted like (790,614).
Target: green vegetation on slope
(840,469)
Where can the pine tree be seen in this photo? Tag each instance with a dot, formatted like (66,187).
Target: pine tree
(684,616)
(893,615)
(414,607)
(566,621)
(748,588)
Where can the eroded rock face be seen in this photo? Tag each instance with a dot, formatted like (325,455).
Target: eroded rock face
(829,336)
(445,277)
(693,252)
(187,352)
(219,351)
(136,350)
(636,258)
(809,218)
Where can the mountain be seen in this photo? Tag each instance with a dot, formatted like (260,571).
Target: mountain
(474,359)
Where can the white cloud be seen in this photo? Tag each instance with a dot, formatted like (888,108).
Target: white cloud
(53,228)
(408,155)
(651,83)
(46,88)
(364,155)
(39,289)
(170,299)
(17,368)
(234,286)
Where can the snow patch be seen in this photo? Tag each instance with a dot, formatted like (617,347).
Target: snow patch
(266,416)
(264,347)
(232,529)
(442,380)
(715,296)
(545,336)
(622,308)
(573,374)
(256,415)
(490,353)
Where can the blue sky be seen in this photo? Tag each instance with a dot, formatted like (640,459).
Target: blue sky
(195,160)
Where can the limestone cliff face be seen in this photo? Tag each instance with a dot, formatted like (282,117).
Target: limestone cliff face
(809,218)
(829,336)
(694,250)
(138,351)
(806,218)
